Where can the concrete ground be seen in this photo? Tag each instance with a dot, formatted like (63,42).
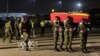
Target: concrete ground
(46,48)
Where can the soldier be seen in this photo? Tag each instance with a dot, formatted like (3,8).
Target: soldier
(57,33)
(8,30)
(61,35)
(83,33)
(68,33)
(17,32)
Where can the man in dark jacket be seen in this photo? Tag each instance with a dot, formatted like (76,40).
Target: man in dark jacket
(25,32)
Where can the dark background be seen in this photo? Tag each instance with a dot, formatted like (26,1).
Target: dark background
(45,6)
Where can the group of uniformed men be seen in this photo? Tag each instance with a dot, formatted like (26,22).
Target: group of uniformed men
(65,32)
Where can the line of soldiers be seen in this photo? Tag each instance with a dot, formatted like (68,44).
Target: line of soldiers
(65,32)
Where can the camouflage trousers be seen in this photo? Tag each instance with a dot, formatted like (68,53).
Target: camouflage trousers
(58,35)
(83,36)
(7,35)
(68,38)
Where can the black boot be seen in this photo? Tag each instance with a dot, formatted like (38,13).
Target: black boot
(70,49)
(56,49)
(67,50)
(62,48)
(84,50)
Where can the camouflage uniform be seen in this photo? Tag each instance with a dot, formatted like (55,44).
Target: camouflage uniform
(17,30)
(61,35)
(8,30)
(56,25)
(83,33)
(68,34)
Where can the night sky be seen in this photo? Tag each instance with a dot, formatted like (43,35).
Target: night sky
(45,6)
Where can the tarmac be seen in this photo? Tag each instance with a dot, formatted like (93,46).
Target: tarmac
(46,47)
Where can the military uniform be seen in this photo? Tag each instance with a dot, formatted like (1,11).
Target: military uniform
(17,30)
(58,34)
(68,34)
(56,25)
(83,35)
(71,35)
(8,30)
(61,35)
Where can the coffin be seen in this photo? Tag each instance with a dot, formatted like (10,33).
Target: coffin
(77,17)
